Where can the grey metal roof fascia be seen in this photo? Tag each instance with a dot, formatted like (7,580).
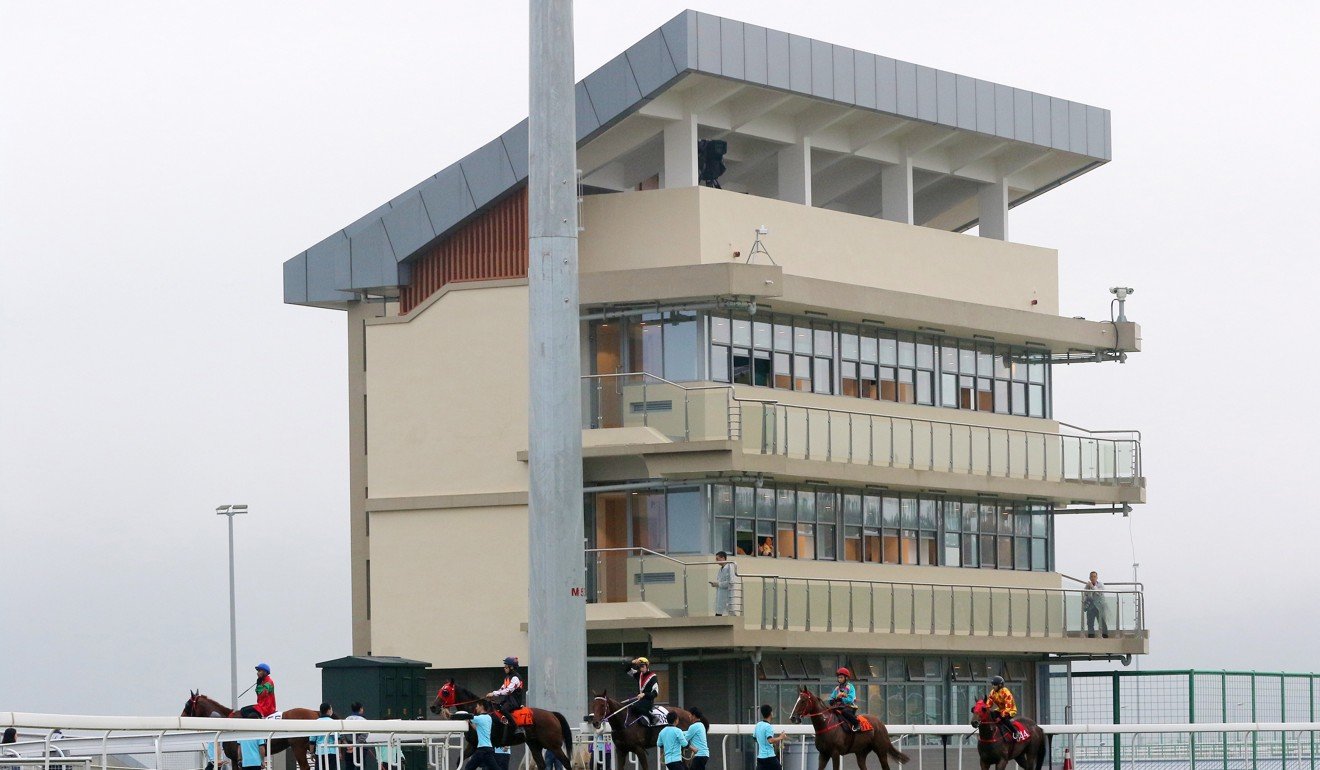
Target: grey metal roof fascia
(712,45)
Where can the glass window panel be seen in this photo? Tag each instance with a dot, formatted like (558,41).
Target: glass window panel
(909,546)
(719,329)
(952,516)
(1001,396)
(925,387)
(824,342)
(890,509)
(1021,524)
(871,510)
(852,509)
(1021,554)
(985,399)
(806,506)
(970,517)
(907,353)
(721,499)
(1038,525)
(966,394)
(802,373)
(869,387)
(823,379)
(746,538)
(827,507)
(1038,563)
(925,355)
(952,551)
(848,345)
(907,394)
(871,539)
(783,371)
(928,513)
(870,349)
(742,366)
(806,541)
(1019,401)
(680,347)
(1036,371)
(1005,558)
(724,535)
(762,335)
(989,518)
(970,551)
(888,350)
(825,544)
(908,508)
(985,362)
(949,390)
(785,504)
(645,351)
(783,337)
(684,521)
(761,368)
(719,363)
(948,356)
(848,378)
(786,545)
(888,384)
(1002,369)
(1036,400)
(928,551)
(889,545)
(1019,370)
(742,332)
(765,503)
(987,550)
(852,544)
(967,360)
(801,339)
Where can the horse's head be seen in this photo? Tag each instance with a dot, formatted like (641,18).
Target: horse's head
(982,713)
(190,706)
(445,698)
(601,707)
(806,706)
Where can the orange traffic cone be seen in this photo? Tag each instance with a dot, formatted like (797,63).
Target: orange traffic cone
(1067,760)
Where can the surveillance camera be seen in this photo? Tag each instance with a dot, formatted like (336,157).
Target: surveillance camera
(1122,291)
(762,230)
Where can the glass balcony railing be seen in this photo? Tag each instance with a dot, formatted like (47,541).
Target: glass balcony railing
(705,412)
(769,602)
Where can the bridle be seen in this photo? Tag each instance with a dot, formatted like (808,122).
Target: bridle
(452,692)
(824,711)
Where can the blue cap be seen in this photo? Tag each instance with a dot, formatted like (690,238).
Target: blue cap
(511,661)
(263,667)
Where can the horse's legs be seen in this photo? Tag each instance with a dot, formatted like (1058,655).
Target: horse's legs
(534,749)
(825,756)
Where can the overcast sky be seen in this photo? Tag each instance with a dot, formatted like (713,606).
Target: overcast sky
(159,161)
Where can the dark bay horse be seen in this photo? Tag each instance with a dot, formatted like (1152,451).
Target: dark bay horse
(834,739)
(996,749)
(548,730)
(199,705)
(635,738)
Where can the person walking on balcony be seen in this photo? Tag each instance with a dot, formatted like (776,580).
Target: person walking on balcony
(844,698)
(648,689)
(724,584)
(1093,603)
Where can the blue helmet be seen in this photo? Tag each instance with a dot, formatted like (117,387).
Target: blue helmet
(263,667)
(511,661)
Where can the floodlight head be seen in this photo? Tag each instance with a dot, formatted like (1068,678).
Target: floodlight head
(762,230)
(1122,292)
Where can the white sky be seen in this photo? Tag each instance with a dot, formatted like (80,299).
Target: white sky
(160,160)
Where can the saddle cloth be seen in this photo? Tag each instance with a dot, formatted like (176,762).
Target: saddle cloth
(863,724)
(522,716)
(1018,734)
(276,715)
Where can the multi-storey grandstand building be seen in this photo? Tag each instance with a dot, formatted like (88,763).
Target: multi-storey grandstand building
(837,367)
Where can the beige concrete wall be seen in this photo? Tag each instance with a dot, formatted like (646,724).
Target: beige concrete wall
(447,586)
(447,397)
(702,225)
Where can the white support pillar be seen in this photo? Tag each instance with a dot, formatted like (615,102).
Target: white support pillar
(896,192)
(994,210)
(680,138)
(795,172)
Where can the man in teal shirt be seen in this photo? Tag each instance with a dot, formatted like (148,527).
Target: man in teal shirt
(484,756)
(696,739)
(766,738)
(672,740)
(250,752)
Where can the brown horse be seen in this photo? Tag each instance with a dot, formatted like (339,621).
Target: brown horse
(635,738)
(199,705)
(548,730)
(834,739)
(995,747)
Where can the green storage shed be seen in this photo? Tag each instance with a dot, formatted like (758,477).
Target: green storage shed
(388,687)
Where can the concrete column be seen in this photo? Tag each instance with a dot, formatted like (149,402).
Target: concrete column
(896,192)
(680,138)
(994,210)
(795,173)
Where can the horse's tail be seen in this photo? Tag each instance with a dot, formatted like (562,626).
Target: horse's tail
(568,734)
(902,758)
(1046,739)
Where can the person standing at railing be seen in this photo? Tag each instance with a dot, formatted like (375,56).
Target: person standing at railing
(767,741)
(250,753)
(484,755)
(326,750)
(724,584)
(1093,604)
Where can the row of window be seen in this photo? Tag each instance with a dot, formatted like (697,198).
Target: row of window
(810,522)
(795,353)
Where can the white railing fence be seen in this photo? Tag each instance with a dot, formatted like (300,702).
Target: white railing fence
(67,742)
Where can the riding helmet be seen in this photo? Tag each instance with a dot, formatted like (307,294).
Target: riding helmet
(511,661)
(996,680)
(263,667)
(843,672)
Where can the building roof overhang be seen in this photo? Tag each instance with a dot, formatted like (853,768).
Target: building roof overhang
(760,90)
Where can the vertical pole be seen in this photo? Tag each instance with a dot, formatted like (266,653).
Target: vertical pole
(556,629)
(1223,709)
(1254,732)
(1116,696)
(233,631)
(1191,716)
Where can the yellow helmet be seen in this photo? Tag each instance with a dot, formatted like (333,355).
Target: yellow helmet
(643,661)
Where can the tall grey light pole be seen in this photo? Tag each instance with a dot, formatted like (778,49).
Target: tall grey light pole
(557,624)
(231,511)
